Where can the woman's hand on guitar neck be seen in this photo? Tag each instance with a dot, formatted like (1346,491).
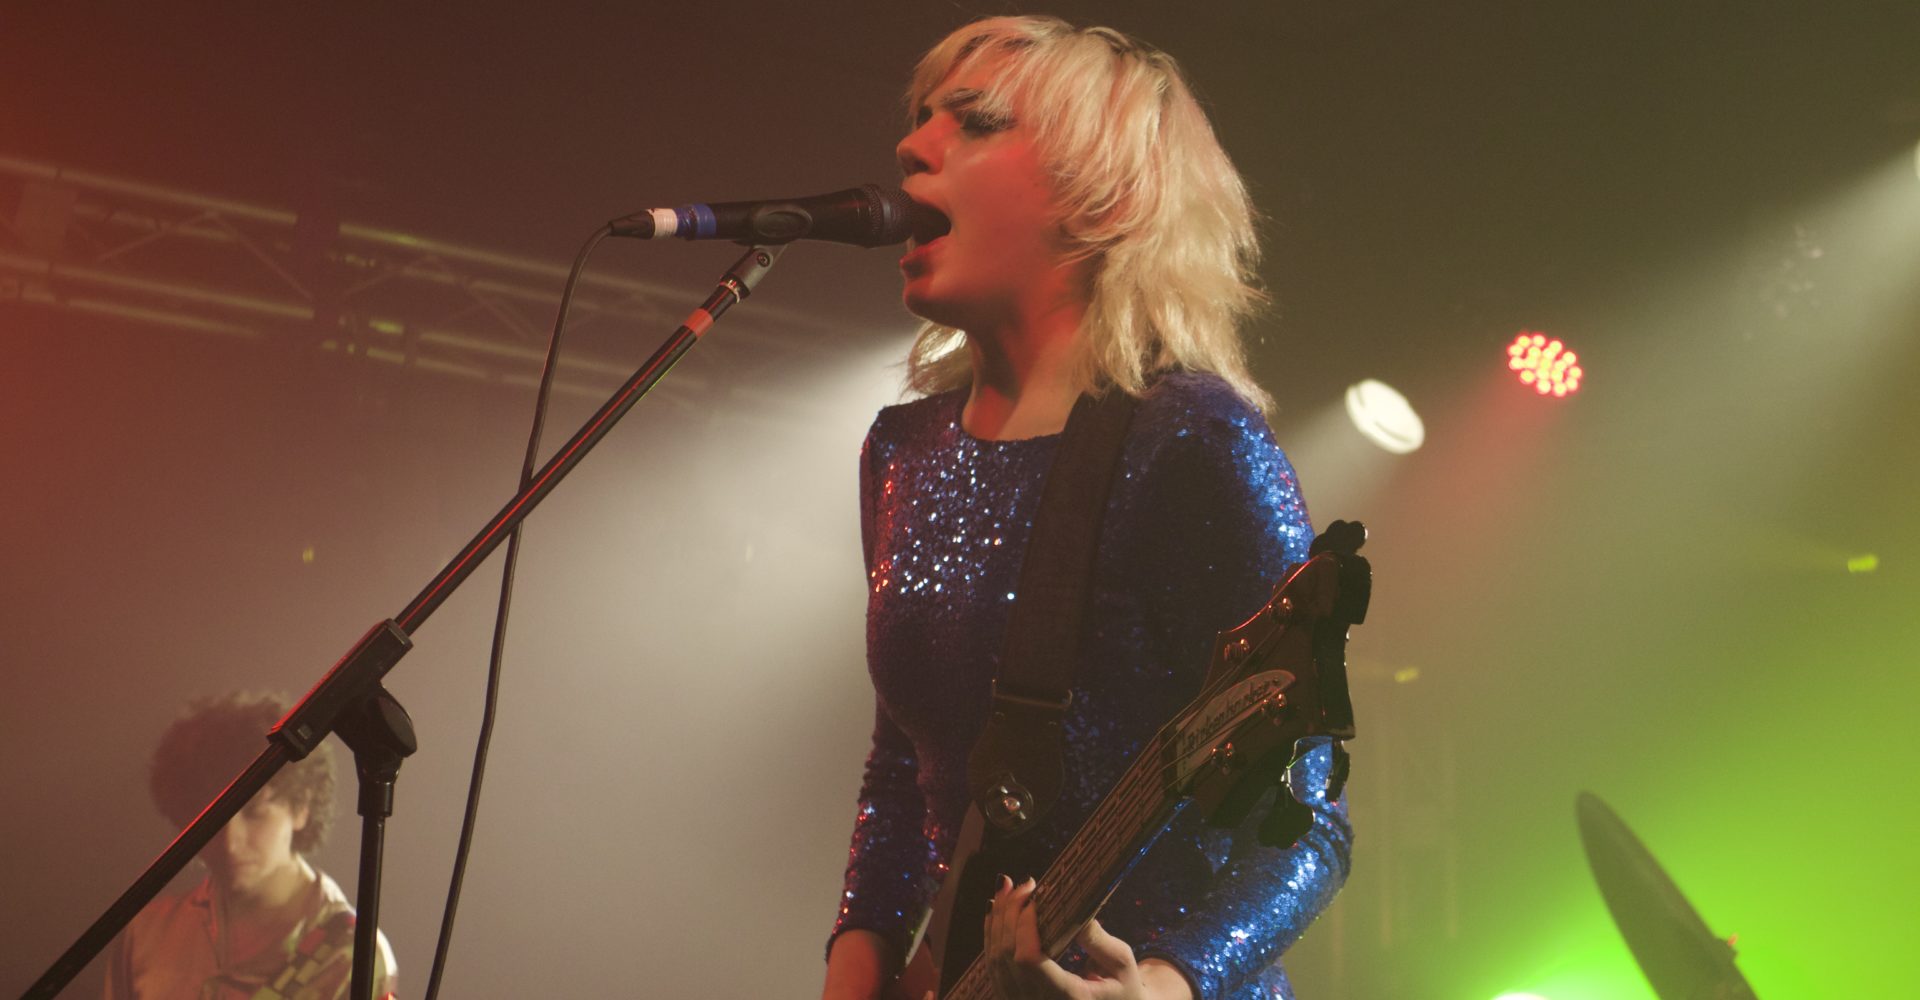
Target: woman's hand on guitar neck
(1022,970)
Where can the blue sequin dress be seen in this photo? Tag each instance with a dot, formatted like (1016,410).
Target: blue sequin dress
(1200,528)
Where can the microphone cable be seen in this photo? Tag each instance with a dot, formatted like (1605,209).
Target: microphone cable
(527,468)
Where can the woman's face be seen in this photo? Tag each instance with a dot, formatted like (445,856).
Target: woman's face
(981,170)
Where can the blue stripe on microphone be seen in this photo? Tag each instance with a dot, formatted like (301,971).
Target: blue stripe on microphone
(696,222)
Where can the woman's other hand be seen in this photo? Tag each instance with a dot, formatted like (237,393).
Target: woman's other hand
(1022,970)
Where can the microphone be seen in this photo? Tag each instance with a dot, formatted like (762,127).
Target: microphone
(866,216)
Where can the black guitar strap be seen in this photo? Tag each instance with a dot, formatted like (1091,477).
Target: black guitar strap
(1015,772)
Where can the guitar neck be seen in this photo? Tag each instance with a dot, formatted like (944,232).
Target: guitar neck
(1079,881)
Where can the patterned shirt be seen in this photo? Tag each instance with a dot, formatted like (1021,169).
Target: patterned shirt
(174,950)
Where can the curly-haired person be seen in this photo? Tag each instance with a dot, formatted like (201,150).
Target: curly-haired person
(264,923)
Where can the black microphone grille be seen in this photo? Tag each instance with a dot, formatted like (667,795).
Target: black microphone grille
(889,215)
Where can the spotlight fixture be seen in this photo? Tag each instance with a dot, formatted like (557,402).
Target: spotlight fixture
(1545,364)
(1385,416)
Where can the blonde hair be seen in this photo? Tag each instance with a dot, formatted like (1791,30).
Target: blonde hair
(1144,191)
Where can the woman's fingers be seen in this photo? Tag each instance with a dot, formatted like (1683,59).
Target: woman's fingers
(1025,919)
(1106,954)
(996,945)
(1021,968)
(998,940)
(1012,945)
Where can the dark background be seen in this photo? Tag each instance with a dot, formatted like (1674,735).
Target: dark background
(1642,590)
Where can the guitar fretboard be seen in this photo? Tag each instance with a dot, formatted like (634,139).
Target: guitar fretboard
(1078,882)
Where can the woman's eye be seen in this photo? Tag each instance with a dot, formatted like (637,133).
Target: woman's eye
(978,121)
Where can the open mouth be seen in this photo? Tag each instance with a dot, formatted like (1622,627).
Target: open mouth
(929,224)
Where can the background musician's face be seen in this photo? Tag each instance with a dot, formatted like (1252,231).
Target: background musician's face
(256,845)
(978,165)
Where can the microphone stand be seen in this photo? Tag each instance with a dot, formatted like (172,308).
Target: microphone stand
(350,698)
(381,735)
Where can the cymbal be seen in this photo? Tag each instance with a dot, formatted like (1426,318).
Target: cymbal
(1681,957)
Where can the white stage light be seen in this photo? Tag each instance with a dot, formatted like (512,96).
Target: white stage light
(1385,416)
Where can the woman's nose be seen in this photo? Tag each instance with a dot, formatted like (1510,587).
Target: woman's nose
(916,153)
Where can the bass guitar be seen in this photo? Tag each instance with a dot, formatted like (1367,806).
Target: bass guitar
(1278,678)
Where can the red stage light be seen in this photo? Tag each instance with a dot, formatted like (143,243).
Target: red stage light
(1544,364)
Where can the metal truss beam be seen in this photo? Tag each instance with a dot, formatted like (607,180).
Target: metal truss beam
(109,246)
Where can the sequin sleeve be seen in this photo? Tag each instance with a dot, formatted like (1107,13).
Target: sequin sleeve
(1262,898)
(1238,524)
(887,888)
(887,884)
